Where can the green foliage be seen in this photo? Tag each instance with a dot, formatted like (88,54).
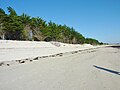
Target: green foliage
(92,41)
(11,11)
(24,27)
(13,26)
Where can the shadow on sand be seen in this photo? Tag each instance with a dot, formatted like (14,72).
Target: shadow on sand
(117,46)
(108,70)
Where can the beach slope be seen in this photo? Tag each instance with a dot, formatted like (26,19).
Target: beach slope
(97,69)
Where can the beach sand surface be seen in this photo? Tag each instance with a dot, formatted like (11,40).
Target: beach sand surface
(96,69)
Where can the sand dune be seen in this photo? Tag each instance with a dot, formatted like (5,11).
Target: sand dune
(17,50)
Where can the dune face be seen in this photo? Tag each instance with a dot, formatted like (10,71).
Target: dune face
(17,50)
(91,69)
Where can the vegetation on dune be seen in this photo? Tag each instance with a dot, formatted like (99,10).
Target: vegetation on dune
(24,27)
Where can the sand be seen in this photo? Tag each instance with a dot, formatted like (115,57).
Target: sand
(17,50)
(93,69)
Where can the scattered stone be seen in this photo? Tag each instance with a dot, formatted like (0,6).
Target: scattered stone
(1,63)
(61,55)
(57,54)
(93,51)
(31,60)
(8,64)
(22,61)
(36,58)
(26,59)
(17,60)
(74,52)
(52,55)
(44,56)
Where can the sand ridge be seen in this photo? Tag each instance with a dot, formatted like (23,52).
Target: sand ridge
(12,52)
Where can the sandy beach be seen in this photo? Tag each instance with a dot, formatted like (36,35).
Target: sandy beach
(77,68)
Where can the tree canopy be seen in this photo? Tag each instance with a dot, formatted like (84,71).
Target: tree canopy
(25,27)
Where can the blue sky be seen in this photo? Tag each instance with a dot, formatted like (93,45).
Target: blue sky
(99,19)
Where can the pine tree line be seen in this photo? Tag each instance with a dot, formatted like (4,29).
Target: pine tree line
(24,27)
